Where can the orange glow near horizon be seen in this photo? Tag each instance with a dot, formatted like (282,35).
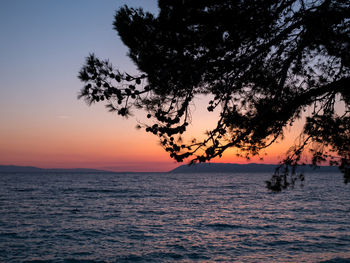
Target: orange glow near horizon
(94,138)
(103,141)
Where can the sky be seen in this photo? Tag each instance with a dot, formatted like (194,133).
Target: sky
(43,46)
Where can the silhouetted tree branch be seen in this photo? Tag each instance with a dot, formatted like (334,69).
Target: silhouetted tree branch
(262,62)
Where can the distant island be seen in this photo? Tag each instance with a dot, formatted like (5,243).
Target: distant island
(245,168)
(196,168)
(32,169)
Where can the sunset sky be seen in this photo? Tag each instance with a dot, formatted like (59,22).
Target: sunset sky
(43,46)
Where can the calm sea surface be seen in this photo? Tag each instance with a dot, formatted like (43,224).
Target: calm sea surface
(172,218)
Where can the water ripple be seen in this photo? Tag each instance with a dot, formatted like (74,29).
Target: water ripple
(171,218)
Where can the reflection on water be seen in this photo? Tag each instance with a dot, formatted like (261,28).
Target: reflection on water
(171,217)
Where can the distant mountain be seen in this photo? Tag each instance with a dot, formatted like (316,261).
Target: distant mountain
(197,168)
(31,169)
(243,168)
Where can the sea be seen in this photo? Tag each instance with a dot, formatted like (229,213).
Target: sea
(164,217)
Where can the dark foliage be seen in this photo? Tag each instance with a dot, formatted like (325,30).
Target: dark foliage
(263,62)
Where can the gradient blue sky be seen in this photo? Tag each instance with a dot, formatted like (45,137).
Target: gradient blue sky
(43,46)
